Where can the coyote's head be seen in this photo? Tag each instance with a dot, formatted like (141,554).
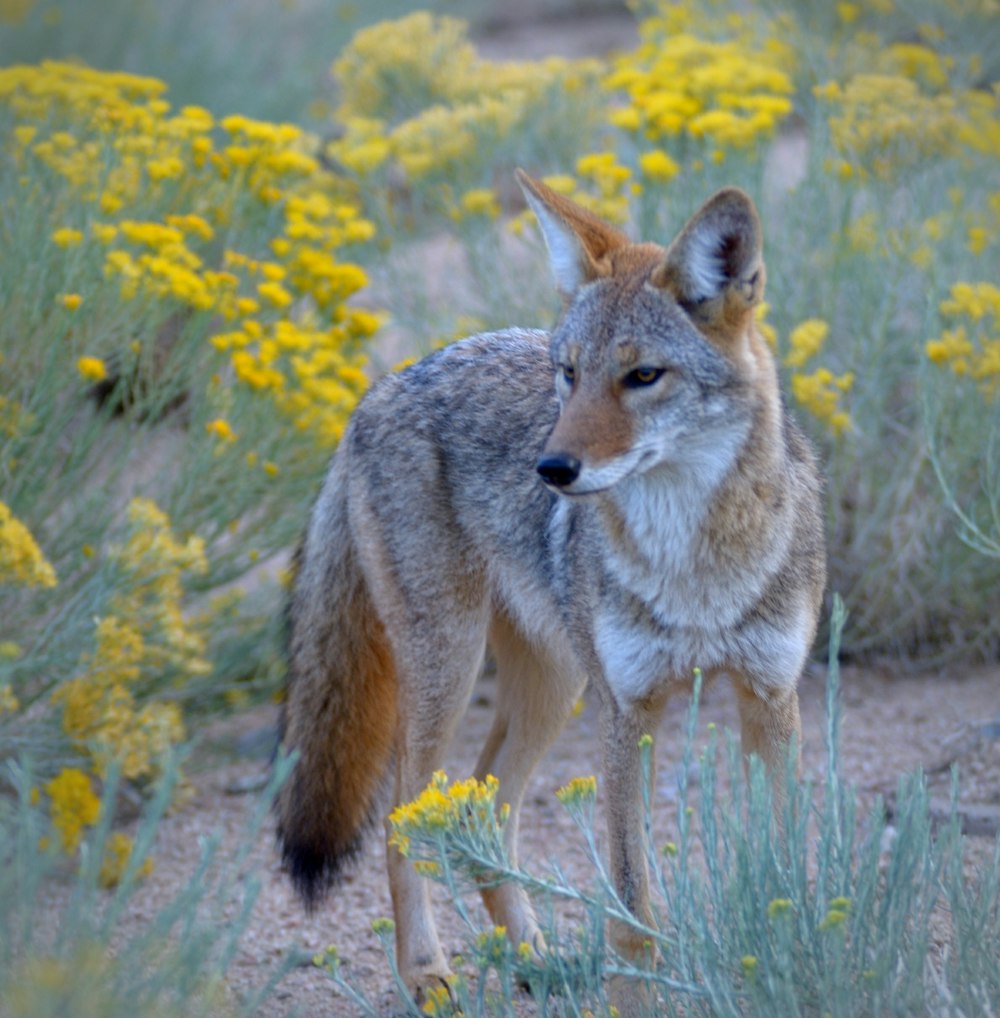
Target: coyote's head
(656,358)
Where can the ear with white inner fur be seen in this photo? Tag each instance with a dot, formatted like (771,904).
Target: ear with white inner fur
(718,254)
(578,242)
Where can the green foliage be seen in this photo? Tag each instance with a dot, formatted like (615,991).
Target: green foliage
(264,60)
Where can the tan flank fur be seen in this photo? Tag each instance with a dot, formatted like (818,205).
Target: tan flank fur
(653,511)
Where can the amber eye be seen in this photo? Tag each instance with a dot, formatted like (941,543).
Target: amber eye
(642,376)
(569,374)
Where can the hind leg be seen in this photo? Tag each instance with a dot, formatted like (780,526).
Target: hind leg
(430,596)
(536,690)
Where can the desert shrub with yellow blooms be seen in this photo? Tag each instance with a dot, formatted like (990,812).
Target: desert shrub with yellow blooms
(179,352)
(426,123)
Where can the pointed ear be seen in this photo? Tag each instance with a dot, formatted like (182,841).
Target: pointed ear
(578,242)
(715,267)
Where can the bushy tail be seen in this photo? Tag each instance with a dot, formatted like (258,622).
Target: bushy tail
(340,704)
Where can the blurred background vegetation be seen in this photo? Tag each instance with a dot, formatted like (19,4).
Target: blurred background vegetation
(265,60)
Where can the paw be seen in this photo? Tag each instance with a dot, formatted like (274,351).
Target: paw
(430,981)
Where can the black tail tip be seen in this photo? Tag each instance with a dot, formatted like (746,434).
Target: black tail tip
(314,871)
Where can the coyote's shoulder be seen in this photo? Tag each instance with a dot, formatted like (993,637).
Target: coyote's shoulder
(654,511)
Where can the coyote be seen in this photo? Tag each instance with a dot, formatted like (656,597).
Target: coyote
(653,511)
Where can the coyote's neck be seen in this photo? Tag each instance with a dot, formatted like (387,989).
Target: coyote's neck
(685,538)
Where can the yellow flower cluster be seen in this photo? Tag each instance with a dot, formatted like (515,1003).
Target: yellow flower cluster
(439,1003)
(837,914)
(727,94)
(806,340)
(74,806)
(395,69)
(578,791)
(882,123)
(415,91)
(21,560)
(610,179)
(145,636)
(819,392)
(92,369)
(972,347)
(440,808)
(150,191)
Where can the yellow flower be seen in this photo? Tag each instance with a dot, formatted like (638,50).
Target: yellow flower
(67,237)
(972,346)
(578,791)
(806,341)
(977,300)
(481,202)
(657,165)
(21,560)
(728,93)
(275,294)
(820,394)
(74,806)
(440,808)
(438,1003)
(151,234)
(492,947)
(778,907)
(70,301)
(834,919)
(979,238)
(92,369)
(221,429)
(561,183)
(626,117)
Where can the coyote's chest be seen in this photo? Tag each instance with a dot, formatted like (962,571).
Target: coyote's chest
(673,596)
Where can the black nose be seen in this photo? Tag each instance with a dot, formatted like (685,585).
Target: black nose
(560,469)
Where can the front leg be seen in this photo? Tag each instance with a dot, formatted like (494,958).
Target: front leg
(769,726)
(623,727)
